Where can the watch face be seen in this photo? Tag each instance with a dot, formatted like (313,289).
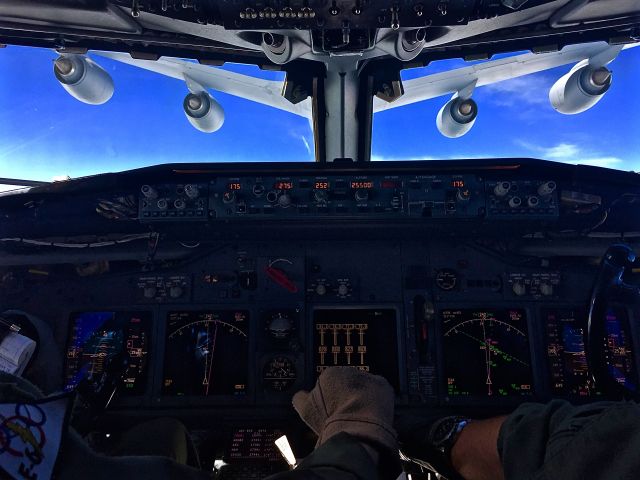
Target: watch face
(446,430)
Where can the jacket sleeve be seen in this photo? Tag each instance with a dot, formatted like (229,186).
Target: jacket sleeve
(558,440)
(342,457)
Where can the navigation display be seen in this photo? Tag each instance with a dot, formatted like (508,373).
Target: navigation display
(567,360)
(486,352)
(108,343)
(361,338)
(206,353)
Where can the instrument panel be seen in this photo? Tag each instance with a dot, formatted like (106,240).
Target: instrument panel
(441,196)
(257,324)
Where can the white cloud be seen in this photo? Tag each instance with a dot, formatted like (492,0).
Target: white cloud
(571,153)
(529,90)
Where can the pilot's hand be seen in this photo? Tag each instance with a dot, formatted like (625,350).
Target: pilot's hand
(348,400)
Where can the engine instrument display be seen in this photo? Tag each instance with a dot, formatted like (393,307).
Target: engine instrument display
(108,343)
(362,338)
(206,353)
(486,353)
(566,352)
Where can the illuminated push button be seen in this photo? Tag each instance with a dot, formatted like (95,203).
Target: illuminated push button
(519,289)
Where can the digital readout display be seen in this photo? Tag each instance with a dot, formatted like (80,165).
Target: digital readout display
(458,183)
(234,186)
(283,185)
(321,185)
(362,185)
(391,184)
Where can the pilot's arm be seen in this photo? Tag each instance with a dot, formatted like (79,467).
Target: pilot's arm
(352,414)
(552,441)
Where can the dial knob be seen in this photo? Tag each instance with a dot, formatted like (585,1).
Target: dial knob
(533,201)
(320,196)
(464,194)
(191,191)
(515,202)
(258,189)
(228,197)
(343,289)
(175,291)
(321,289)
(179,204)
(148,191)
(284,200)
(163,204)
(519,288)
(502,188)
(361,195)
(547,188)
(149,291)
(546,289)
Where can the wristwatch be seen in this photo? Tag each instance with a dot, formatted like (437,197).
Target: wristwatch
(444,433)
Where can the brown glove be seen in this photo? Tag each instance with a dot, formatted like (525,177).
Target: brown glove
(348,400)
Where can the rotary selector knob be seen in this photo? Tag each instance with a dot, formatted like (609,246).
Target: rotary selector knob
(284,200)
(343,289)
(361,195)
(321,289)
(149,291)
(228,197)
(320,196)
(519,289)
(179,204)
(191,191)
(515,202)
(163,204)
(464,195)
(175,291)
(546,289)
(502,188)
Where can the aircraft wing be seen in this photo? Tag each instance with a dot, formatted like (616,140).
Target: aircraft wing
(485,73)
(266,92)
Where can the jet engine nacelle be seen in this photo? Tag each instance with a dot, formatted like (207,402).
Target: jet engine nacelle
(281,49)
(580,89)
(203,112)
(456,117)
(405,45)
(84,79)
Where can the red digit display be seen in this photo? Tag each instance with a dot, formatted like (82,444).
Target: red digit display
(362,185)
(234,186)
(321,185)
(457,183)
(283,185)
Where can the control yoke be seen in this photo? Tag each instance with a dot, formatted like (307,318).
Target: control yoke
(609,288)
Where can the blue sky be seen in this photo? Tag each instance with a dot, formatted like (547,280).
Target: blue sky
(45,133)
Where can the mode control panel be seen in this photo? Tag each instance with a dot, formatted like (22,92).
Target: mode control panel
(372,196)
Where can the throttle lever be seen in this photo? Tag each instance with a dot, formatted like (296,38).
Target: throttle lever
(609,286)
